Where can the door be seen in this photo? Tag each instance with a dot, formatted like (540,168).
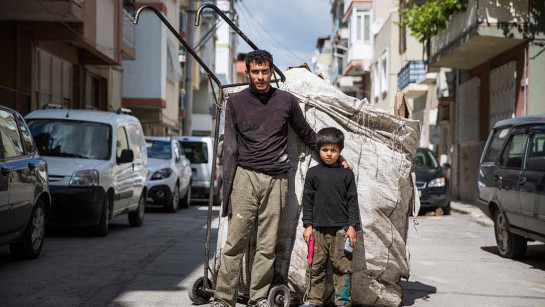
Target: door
(5,210)
(510,168)
(123,174)
(139,165)
(532,184)
(15,171)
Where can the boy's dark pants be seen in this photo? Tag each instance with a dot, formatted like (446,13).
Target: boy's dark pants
(329,244)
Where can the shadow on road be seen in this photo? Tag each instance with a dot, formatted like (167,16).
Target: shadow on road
(535,255)
(414,290)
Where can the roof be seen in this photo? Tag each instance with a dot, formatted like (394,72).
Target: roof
(81,115)
(158,138)
(521,121)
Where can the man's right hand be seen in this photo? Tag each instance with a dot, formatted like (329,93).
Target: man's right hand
(307,234)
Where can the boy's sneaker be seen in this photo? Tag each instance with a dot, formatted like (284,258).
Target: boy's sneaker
(217,304)
(261,303)
(309,304)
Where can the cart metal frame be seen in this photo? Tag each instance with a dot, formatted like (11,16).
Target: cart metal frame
(202,291)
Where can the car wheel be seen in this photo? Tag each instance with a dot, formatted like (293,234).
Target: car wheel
(32,240)
(446,209)
(101,229)
(136,218)
(510,245)
(172,206)
(186,201)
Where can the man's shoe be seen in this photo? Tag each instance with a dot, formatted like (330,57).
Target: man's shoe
(309,304)
(217,304)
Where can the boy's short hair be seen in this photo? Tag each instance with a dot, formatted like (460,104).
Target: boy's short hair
(330,136)
(259,57)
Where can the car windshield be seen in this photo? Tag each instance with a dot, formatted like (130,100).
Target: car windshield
(74,139)
(159,149)
(425,159)
(196,152)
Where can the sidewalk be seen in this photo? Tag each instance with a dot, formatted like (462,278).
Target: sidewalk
(473,211)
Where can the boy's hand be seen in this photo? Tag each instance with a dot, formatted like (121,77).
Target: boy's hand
(351,233)
(307,234)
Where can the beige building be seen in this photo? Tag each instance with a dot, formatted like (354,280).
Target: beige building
(495,51)
(65,52)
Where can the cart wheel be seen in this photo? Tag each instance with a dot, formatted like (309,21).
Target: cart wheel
(279,296)
(197,295)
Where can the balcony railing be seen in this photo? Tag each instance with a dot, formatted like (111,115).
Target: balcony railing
(128,29)
(411,73)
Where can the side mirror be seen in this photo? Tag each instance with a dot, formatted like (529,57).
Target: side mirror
(127,156)
(445,166)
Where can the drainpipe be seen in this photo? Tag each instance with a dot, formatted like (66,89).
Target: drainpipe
(189,76)
(525,81)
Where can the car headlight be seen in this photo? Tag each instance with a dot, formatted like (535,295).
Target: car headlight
(161,174)
(87,178)
(437,182)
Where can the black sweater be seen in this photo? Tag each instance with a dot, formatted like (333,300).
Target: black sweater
(330,197)
(256,134)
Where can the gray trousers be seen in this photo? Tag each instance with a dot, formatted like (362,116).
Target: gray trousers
(254,197)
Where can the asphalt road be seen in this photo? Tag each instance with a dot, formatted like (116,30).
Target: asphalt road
(453,264)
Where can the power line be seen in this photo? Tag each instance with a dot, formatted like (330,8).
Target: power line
(270,35)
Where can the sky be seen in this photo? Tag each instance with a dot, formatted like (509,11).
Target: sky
(293,27)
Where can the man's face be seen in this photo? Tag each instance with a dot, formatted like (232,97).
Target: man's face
(260,76)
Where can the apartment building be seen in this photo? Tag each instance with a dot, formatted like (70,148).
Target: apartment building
(151,82)
(351,46)
(64,52)
(495,51)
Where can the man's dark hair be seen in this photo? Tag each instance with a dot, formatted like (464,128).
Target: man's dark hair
(330,136)
(259,57)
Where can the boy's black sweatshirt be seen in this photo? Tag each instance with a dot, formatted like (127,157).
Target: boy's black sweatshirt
(330,197)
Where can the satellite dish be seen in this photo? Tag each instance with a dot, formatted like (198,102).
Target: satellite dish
(377,26)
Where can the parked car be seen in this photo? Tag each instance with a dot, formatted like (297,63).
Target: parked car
(431,181)
(97,166)
(25,202)
(511,183)
(169,174)
(199,151)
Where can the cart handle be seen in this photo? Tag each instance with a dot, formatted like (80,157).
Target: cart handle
(235,27)
(184,43)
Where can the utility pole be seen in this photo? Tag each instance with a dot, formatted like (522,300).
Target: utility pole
(189,72)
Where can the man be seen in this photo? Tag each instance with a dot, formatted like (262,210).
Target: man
(255,176)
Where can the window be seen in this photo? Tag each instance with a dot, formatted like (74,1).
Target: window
(72,139)
(376,82)
(536,153)
(122,141)
(493,150)
(363,26)
(159,149)
(54,79)
(513,155)
(27,137)
(425,159)
(196,152)
(384,73)
(11,140)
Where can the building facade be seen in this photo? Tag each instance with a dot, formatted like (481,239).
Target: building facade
(64,52)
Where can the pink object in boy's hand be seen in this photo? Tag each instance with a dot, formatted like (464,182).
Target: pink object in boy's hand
(310,250)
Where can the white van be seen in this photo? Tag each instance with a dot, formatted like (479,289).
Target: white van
(200,152)
(97,165)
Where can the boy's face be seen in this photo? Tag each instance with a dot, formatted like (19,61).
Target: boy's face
(330,154)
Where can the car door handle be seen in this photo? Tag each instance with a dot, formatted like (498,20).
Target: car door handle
(522,180)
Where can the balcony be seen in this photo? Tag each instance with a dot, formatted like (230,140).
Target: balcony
(411,73)
(485,30)
(44,10)
(128,47)
(357,60)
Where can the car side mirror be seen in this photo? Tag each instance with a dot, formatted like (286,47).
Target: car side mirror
(127,156)
(445,166)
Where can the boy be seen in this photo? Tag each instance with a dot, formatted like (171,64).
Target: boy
(330,215)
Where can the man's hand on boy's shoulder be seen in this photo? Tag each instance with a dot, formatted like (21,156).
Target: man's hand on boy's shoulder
(344,163)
